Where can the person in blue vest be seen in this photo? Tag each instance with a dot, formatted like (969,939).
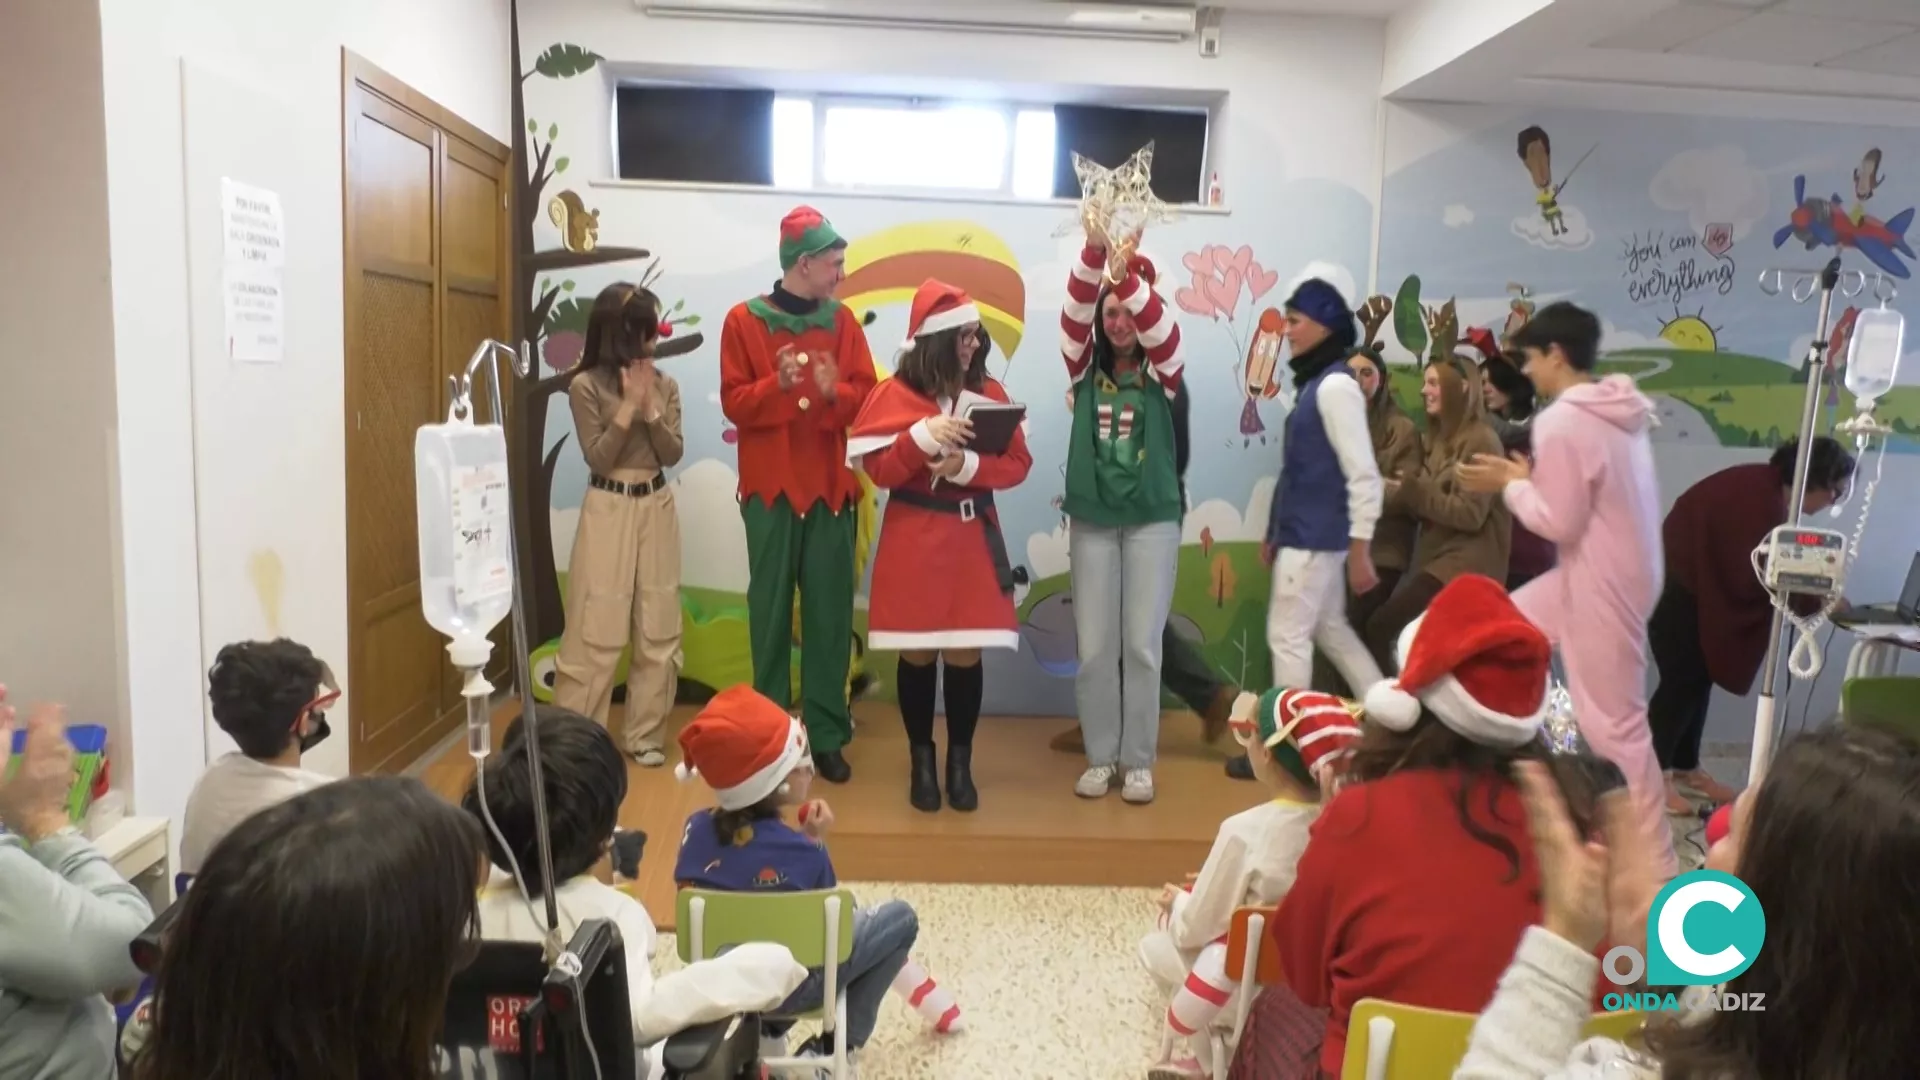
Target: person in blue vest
(1320,530)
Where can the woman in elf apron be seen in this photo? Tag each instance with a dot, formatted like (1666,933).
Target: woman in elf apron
(623,580)
(1123,505)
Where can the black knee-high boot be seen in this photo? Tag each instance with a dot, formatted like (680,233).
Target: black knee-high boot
(917,684)
(965,686)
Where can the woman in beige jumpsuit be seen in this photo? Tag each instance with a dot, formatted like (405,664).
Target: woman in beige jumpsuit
(623,581)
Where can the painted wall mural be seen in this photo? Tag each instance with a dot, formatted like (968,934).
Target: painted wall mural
(1226,274)
(1677,218)
(1663,224)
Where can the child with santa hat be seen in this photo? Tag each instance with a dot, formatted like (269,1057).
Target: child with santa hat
(942,581)
(1294,741)
(1420,876)
(755,758)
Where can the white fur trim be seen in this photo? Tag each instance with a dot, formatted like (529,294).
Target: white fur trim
(1387,704)
(969,466)
(923,438)
(1458,710)
(863,445)
(1391,707)
(896,640)
(770,776)
(950,319)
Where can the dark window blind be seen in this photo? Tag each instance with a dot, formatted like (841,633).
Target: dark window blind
(694,134)
(1110,135)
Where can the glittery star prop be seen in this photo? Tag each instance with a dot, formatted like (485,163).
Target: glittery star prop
(1117,205)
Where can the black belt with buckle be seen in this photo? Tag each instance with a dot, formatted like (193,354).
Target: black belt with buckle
(971,508)
(636,489)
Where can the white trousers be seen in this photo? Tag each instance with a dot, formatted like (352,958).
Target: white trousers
(1309,608)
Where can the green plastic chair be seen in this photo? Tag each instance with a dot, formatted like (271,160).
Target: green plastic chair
(1890,703)
(1389,1041)
(817,927)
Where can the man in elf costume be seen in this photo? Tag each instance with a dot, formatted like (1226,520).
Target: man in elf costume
(794,371)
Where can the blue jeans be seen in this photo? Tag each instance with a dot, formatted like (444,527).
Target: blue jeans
(882,936)
(1122,582)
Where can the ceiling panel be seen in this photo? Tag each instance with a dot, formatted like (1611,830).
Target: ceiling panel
(1775,38)
(1901,56)
(1893,11)
(1677,26)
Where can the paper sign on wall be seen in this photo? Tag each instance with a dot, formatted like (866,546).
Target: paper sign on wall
(253,272)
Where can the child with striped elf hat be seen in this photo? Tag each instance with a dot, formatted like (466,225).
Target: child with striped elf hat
(1294,740)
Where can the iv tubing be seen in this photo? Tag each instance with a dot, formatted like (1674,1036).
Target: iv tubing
(462,387)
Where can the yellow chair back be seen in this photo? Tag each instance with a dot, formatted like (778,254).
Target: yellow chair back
(1390,1041)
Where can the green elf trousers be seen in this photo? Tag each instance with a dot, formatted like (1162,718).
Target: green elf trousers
(813,552)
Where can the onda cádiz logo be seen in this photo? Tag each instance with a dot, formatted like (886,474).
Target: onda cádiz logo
(1704,928)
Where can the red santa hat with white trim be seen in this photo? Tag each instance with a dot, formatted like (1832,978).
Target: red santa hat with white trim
(743,746)
(937,307)
(1475,662)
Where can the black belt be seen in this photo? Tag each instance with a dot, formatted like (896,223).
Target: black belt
(636,489)
(972,508)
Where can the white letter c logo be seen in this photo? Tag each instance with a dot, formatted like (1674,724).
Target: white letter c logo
(1672,928)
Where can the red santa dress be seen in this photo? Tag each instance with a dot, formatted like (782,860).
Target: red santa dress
(941,576)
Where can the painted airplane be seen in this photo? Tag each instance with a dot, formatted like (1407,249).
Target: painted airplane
(1826,223)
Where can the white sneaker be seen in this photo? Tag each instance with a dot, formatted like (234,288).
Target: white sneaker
(1096,782)
(1138,787)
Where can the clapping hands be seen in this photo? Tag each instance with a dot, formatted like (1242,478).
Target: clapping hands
(1591,888)
(786,366)
(33,799)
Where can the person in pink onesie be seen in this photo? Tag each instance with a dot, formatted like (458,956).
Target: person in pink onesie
(1591,491)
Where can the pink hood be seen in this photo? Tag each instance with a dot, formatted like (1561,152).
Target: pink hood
(1613,399)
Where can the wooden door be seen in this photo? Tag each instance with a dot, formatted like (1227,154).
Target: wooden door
(427,278)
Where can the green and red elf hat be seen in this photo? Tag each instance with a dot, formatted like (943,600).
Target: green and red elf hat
(805,231)
(1306,731)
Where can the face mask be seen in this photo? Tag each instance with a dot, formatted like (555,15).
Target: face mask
(317,732)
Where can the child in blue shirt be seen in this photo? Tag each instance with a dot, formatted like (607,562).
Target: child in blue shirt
(754,757)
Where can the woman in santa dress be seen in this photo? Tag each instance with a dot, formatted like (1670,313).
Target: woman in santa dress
(942,583)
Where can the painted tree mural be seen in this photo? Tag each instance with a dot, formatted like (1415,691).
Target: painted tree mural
(554,320)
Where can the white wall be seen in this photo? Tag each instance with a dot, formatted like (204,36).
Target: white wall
(189,588)
(1310,83)
(59,631)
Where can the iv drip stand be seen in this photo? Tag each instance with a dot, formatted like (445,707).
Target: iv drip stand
(1825,281)
(521,364)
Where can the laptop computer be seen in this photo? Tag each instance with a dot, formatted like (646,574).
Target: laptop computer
(1903,612)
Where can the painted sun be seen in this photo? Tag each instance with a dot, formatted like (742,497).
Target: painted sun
(1691,332)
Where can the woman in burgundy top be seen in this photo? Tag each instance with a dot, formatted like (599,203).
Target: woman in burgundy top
(1710,626)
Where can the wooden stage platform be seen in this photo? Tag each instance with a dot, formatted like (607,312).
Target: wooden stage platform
(1030,828)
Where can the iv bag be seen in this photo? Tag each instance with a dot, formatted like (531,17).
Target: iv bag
(1873,356)
(466,536)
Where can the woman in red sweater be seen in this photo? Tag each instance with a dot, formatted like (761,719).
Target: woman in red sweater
(1420,878)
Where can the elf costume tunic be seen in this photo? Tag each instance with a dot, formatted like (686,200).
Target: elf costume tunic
(797,496)
(941,576)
